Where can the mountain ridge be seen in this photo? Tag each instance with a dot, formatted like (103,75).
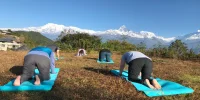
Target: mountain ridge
(52,28)
(52,31)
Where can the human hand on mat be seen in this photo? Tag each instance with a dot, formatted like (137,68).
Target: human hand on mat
(120,74)
(140,74)
(53,72)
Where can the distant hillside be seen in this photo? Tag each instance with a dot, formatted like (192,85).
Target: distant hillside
(32,39)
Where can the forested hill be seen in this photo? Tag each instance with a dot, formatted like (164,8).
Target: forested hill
(32,39)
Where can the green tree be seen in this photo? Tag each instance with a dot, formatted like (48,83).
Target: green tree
(141,47)
(191,54)
(9,30)
(177,49)
(80,40)
(116,45)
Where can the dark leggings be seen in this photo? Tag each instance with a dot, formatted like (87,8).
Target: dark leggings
(33,61)
(104,56)
(143,65)
(81,52)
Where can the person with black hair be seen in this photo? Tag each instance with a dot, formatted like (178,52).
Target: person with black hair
(55,49)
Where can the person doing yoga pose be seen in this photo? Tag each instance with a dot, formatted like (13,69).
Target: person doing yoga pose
(41,58)
(105,54)
(81,52)
(139,63)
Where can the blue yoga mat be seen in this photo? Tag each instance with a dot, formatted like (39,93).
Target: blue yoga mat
(29,85)
(168,87)
(59,58)
(105,62)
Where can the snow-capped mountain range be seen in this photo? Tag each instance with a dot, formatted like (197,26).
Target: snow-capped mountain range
(52,31)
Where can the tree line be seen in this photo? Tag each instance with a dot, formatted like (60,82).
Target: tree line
(176,49)
(68,42)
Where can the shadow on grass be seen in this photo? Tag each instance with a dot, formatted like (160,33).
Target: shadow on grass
(92,58)
(70,90)
(74,92)
(100,71)
(17,70)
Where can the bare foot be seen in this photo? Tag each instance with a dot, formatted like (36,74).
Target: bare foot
(156,84)
(140,74)
(148,84)
(17,81)
(37,81)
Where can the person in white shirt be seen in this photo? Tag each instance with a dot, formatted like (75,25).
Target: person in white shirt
(81,52)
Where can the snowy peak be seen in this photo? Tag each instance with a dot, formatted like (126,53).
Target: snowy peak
(123,29)
(56,29)
(53,26)
(147,34)
(193,36)
(52,31)
(50,28)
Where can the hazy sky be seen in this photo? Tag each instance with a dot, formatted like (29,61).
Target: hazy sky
(165,18)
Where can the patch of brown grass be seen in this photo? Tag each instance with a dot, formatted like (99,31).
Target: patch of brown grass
(84,78)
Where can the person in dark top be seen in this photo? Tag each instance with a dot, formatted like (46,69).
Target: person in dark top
(105,54)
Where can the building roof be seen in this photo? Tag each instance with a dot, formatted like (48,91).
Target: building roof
(7,39)
(23,48)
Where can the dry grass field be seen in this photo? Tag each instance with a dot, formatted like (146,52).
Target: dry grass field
(83,78)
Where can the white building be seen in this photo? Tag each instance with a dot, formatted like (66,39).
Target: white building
(4,32)
(8,43)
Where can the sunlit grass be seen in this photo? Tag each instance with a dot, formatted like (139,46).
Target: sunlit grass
(191,78)
(84,78)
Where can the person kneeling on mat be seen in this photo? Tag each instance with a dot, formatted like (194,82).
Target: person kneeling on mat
(81,52)
(139,62)
(41,58)
(105,54)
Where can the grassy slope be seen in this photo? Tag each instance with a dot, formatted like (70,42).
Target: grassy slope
(83,78)
(33,39)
